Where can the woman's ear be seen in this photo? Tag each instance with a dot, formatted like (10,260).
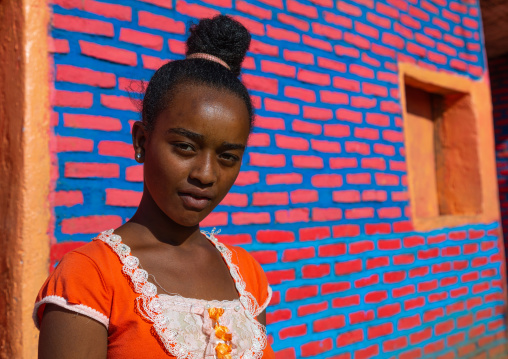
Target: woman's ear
(139,137)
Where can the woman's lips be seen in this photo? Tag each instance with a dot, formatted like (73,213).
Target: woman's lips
(194,203)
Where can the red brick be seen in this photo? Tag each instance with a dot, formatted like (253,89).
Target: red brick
(87,170)
(58,46)
(159,22)
(346,230)
(409,322)
(329,288)
(275,236)
(108,10)
(282,34)
(278,316)
(300,293)
(278,276)
(361,316)
(89,224)
(313,77)
(332,97)
(265,257)
(380,330)
(162,3)
(346,196)
(304,196)
(337,130)
(288,353)
(327,31)
(250,218)
(73,144)
(67,198)
(301,9)
(329,323)
(302,161)
(281,106)
(290,178)
(339,163)
(270,198)
(235,239)
(278,68)
(326,180)
(292,215)
(312,308)
(73,99)
(293,21)
(332,250)
(292,143)
(377,228)
(79,24)
(313,233)
(348,267)
(296,254)
(315,270)
(299,93)
(331,65)
(316,113)
(346,84)
(116,148)
(108,53)
(92,122)
(122,198)
(326,214)
(352,300)
(79,75)
(351,337)
(256,11)
(293,331)
(325,146)
(266,160)
(316,347)
(270,123)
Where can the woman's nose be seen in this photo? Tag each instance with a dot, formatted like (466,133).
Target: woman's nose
(204,170)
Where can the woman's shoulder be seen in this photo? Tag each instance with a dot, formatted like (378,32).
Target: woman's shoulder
(95,251)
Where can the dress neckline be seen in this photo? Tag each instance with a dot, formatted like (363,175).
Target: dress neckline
(149,303)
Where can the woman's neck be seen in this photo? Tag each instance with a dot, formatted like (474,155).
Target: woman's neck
(159,226)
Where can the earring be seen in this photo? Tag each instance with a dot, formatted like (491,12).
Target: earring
(138,157)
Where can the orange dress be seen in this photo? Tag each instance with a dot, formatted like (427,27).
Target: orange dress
(103,281)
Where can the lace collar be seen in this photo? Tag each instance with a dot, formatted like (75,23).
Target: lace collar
(149,303)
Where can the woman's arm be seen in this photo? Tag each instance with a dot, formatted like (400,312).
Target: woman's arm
(69,335)
(262,317)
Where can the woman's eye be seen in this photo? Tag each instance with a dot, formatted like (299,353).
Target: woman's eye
(185,147)
(229,157)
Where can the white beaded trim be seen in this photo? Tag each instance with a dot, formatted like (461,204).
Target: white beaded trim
(78,308)
(151,309)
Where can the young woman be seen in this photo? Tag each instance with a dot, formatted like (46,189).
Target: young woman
(157,287)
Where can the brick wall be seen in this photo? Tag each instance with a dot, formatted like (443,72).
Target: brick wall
(322,199)
(498,69)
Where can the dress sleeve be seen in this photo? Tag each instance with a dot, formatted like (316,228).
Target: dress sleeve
(78,285)
(254,277)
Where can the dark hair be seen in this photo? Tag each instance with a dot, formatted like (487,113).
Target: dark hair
(220,36)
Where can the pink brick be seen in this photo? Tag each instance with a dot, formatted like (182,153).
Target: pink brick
(301,9)
(326,214)
(79,24)
(89,224)
(246,178)
(159,22)
(270,123)
(92,122)
(299,93)
(339,163)
(58,46)
(293,21)
(250,218)
(79,75)
(292,143)
(282,34)
(68,198)
(122,198)
(260,83)
(270,198)
(281,106)
(325,146)
(302,161)
(304,196)
(87,170)
(266,160)
(72,99)
(327,31)
(278,68)
(292,215)
(313,77)
(108,53)
(73,144)
(141,38)
(337,130)
(116,148)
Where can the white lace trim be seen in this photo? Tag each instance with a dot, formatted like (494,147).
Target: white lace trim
(78,308)
(150,307)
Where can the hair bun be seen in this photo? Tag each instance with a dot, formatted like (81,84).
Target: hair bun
(220,36)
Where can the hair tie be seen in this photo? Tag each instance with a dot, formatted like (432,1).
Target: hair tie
(202,55)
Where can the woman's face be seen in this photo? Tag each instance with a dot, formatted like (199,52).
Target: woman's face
(193,154)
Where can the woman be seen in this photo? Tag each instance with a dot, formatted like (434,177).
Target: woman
(158,287)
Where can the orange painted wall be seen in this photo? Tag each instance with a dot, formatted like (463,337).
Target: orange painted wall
(24,170)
